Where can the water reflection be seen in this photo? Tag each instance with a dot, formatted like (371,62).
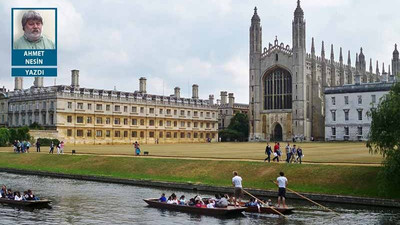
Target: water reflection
(83,202)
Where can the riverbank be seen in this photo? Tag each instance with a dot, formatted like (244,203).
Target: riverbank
(358,181)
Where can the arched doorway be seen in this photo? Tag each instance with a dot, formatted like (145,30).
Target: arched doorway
(277,134)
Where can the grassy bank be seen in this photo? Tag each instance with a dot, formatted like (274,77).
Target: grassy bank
(327,179)
(316,152)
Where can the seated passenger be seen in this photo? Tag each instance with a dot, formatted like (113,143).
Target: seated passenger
(211,204)
(252,202)
(182,200)
(10,194)
(174,199)
(25,196)
(200,204)
(18,196)
(192,202)
(222,202)
(169,201)
(3,191)
(31,196)
(163,198)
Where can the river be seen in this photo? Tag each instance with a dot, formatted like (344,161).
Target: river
(85,202)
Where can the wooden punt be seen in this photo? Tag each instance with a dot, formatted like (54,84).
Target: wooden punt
(228,211)
(28,203)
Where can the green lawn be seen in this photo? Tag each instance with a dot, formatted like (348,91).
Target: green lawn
(327,179)
(344,152)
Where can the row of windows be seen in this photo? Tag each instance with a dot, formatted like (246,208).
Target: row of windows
(30,106)
(134,109)
(125,121)
(346,114)
(359,99)
(346,131)
(141,134)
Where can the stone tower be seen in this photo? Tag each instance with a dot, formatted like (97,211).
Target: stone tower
(396,63)
(299,81)
(254,74)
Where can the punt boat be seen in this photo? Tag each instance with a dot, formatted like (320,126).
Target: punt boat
(228,211)
(28,203)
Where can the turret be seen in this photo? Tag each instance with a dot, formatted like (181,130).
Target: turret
(231,100)
(349,71)
(312,47)
(75,78)
(333,69)
(211,99)
(177,92)
(142,85)
(223,97)
(396,62)
(19,83)
(195,91)
(38,82)
(299,70)
(340,56)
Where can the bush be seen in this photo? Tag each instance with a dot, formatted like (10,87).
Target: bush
(47,141)
(4,137)
(36,126)
(21,134)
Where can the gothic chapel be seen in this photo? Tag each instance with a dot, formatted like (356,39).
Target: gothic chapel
(286,83)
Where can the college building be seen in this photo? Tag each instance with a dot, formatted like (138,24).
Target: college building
(94,116)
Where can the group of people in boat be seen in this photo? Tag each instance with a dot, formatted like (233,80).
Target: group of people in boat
(219,201)
(16,195)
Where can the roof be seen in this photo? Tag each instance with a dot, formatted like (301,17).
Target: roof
(356,88)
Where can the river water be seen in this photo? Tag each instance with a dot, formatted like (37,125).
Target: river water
(85,202)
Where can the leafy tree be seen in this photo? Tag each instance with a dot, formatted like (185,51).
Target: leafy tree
(384,136)
(240,123)
(36,126)
(238,129)
(4,137)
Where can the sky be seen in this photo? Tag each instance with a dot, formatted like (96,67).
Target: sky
(177,43)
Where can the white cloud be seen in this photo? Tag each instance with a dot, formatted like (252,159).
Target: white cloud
(178,43)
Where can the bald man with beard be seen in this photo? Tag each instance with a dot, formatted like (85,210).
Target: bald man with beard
(32,24)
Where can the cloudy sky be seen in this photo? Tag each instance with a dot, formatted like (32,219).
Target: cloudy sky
(182,42)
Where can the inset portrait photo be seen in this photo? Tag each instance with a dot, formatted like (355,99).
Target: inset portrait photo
(34,28)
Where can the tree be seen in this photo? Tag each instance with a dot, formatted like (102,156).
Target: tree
(238,129)
(4,137)
(240,123)
(384,135)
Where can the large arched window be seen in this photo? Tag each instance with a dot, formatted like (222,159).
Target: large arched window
(278,90)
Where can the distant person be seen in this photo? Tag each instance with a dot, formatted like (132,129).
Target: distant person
(38,145)
(18,196)
(51,148)
(268,152)
(137,148)
(288,152)
(238,191)
(276,154)
(299,154)
(162,198)
(28,145)
(62,144)
(293,153)
(3,191)
(282,183)
(58,148)
(32,25)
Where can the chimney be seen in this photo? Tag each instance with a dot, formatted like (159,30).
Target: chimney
(195,91)
(38,82)
(75,78)
(211,99)
(142,85)
(19,83)
(223,97)
(231,100)
(177,92)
